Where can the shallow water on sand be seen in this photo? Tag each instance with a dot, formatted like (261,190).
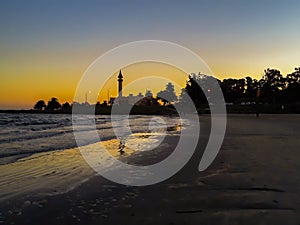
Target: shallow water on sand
(39,154)
(26,134)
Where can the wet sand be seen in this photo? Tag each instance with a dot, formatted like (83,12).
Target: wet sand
(254,180)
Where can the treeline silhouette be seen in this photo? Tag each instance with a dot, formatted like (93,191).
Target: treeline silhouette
(52,106)
(273,93)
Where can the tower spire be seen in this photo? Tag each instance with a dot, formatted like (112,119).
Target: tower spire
(120,74)
(120,81)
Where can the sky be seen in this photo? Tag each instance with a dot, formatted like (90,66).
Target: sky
(46,46)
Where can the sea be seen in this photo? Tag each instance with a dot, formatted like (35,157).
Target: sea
(22,135)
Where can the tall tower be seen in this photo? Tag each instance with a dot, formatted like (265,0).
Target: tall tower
(120,81)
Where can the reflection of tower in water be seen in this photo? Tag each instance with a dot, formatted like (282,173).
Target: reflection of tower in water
(122,146)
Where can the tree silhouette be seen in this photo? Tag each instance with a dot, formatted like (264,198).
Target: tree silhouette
(272,88)
(292,91)
(66,107)
(161,95)
(233,89)
(40,105)
(148,94)
(53,105)
(196,85)
(293,78)
(271,84)
(168,95)
(183,96)
(251,86)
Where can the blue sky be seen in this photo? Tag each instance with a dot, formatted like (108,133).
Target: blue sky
(36,22)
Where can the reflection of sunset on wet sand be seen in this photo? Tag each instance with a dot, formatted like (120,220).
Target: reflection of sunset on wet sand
(254,177)
(57,172)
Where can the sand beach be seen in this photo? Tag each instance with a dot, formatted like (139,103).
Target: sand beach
(254,180)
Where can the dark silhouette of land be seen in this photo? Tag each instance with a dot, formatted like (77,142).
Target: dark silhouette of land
(273,93)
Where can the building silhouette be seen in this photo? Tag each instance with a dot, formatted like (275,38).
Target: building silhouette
(131,99)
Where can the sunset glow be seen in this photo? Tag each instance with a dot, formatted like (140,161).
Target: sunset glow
(45,47)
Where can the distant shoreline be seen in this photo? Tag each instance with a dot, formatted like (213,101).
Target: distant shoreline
(166,110)
(140,110)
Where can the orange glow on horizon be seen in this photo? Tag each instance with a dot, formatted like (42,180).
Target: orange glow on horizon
(24,85)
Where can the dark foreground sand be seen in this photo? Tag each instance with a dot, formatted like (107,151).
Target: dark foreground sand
(254,180)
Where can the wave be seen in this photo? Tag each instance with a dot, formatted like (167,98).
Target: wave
(25,134)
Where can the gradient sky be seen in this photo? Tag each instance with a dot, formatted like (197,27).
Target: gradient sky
(45,46)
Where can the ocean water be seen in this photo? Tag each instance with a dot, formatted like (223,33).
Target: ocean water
(22,135)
